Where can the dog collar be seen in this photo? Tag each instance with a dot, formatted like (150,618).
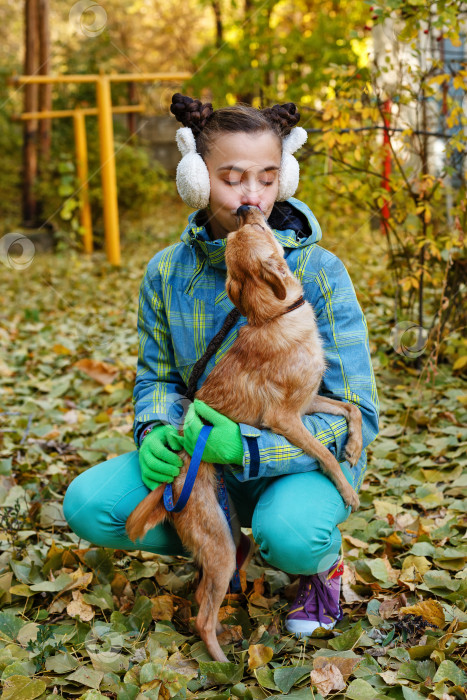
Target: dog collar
(299,302)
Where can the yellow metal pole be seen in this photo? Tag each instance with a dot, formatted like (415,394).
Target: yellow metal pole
(82,169)
(108,170)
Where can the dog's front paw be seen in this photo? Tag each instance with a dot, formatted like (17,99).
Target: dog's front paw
(353,449)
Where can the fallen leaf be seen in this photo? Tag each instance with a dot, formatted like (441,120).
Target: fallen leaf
(420,563)
(78,607)
(162,607)
(101,372)
(388,607)
(5,371)
(430,610)
(22,688)
(355,541)
(258,655)
(230,635)
(61,349)
(348,580)
(326,679)
(344,664)
(391,678)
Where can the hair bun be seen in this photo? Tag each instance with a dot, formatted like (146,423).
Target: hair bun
(283,116)
(189,112)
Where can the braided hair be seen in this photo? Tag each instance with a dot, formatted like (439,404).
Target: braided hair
(206,123)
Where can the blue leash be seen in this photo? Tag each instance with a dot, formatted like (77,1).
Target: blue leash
(190,477)
(188,487)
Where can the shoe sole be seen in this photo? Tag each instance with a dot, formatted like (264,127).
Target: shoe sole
(305,628)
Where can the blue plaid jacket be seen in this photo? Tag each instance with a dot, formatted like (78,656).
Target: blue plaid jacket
(183,304)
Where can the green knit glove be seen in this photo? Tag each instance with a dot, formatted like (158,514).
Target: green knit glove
(224,444)
(158,463)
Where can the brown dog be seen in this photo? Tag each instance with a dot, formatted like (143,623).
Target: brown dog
(269,378)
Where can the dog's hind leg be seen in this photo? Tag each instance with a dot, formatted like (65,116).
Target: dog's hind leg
(216,576)
(292,428)
(353,416)
(204,530)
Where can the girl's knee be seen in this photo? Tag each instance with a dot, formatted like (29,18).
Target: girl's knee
(78,507)
(297,532)
(298,551)
(92,501)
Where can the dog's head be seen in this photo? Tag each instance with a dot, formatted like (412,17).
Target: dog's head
(258,277)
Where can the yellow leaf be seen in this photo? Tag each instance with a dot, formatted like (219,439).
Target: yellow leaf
(460,362)
(110,388)
(356,542)
(439,79)
(162,607)
(430,610)
(393,539)
(61,349)
(420,563)
(384,508)
(258,655)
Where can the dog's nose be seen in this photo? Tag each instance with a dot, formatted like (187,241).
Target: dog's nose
(243,210)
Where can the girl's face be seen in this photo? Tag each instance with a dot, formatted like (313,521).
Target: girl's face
(243,169)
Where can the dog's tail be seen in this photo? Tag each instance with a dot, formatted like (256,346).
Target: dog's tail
(147,514)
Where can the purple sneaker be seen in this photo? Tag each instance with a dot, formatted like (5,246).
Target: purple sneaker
(317,602)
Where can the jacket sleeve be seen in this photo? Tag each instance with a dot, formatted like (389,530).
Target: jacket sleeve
(349,378)
(159,391)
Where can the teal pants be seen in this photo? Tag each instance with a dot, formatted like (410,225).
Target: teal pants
(294,518)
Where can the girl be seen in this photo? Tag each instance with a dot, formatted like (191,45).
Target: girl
(235,156)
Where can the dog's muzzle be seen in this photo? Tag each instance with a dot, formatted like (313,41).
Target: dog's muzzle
(249,214)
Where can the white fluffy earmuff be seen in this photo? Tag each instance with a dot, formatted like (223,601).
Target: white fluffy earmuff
(192,179)
(290,170)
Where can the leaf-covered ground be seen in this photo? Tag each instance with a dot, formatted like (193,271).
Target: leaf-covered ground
(78,621)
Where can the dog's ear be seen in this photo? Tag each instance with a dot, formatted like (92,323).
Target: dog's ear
(234,291)
(273,272)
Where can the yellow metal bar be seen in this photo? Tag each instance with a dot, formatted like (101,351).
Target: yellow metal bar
(91,78)
(87,111)
(22,79)
(145,77)
(108,171)
(79,123)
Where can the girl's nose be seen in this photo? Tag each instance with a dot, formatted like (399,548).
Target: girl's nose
(251,196)
(251,201)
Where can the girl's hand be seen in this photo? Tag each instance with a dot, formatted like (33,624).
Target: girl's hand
(158,463)
(224,444)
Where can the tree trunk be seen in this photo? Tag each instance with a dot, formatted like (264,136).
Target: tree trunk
(216,6)
(45,91)
(30,105)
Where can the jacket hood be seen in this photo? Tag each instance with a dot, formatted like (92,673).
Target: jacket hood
(293,223)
